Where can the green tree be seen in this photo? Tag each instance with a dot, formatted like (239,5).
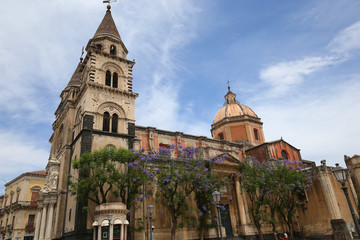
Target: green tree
(253,182)
(110,171)
(294,182)
(179,177)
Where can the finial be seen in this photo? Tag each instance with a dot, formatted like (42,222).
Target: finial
(228,83)
(108,2)
(82,53)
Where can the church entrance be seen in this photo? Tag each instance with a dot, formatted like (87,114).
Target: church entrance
(225,220)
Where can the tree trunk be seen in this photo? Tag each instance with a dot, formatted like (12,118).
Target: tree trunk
(258,227)
(202,231)
(173,228)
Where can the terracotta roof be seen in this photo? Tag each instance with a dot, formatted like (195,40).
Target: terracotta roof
(107,26)
(233,110)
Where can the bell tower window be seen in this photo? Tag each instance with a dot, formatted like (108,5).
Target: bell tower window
(112,50)
(114,124)
(106,122)
(115,80)
(108,78)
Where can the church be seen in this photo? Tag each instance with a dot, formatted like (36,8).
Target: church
(97,110)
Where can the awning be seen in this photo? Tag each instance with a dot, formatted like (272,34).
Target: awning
(117,221)
(95,224)
(105,223)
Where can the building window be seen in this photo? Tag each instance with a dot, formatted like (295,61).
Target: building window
(284,155)
(114,124)
(256,134)
(31,222)
(112,50)
(98,46)
(105,232)
(17,195)
(33,198)
(108,78)
(115,80)
(106,121)
(221,136)
(70,215)
(117,232)
(13,222)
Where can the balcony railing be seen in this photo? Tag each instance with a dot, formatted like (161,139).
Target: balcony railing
(30,227)
(20,204)
(9,228)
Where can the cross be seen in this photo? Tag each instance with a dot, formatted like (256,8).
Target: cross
(228,85)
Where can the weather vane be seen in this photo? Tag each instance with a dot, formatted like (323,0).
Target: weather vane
(109,1)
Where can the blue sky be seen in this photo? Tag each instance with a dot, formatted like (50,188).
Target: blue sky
(295,63)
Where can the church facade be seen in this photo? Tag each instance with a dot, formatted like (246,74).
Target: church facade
(97,109)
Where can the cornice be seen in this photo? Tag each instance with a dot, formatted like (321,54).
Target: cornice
(236,119)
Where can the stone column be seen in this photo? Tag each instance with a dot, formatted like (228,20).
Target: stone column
(329,194)
(122,232)
(99,232)
(43,222)
(240,202)
(49,221)
(111,226)
(125,232)
(352,189)
(38,222)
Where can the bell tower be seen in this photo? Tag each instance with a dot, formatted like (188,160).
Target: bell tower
(97,109)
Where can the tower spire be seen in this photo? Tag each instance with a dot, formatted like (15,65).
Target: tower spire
(107,26)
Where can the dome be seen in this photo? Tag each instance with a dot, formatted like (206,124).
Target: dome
(233,110)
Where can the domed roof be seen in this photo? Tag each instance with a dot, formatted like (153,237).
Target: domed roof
(233,108)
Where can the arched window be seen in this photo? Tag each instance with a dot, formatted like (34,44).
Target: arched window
(108,78)
(114,124)
(115,80)
(112,50)
(106,121)
(284,155)
(98,46)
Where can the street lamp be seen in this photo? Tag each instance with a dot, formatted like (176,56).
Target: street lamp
(341,176)
(216,197)
(150,211)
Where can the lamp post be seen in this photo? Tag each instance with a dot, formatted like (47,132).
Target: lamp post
(341,176)
(216,198)
(150,211)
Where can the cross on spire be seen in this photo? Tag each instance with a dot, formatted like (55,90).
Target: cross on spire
(228,83)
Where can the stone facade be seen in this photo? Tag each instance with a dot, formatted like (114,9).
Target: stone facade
(97,109)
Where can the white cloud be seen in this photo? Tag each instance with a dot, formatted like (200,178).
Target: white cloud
(19,154)
(323,124)
(346,41)
(285,75)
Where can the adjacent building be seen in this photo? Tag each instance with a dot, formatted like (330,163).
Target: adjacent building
(18,207)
